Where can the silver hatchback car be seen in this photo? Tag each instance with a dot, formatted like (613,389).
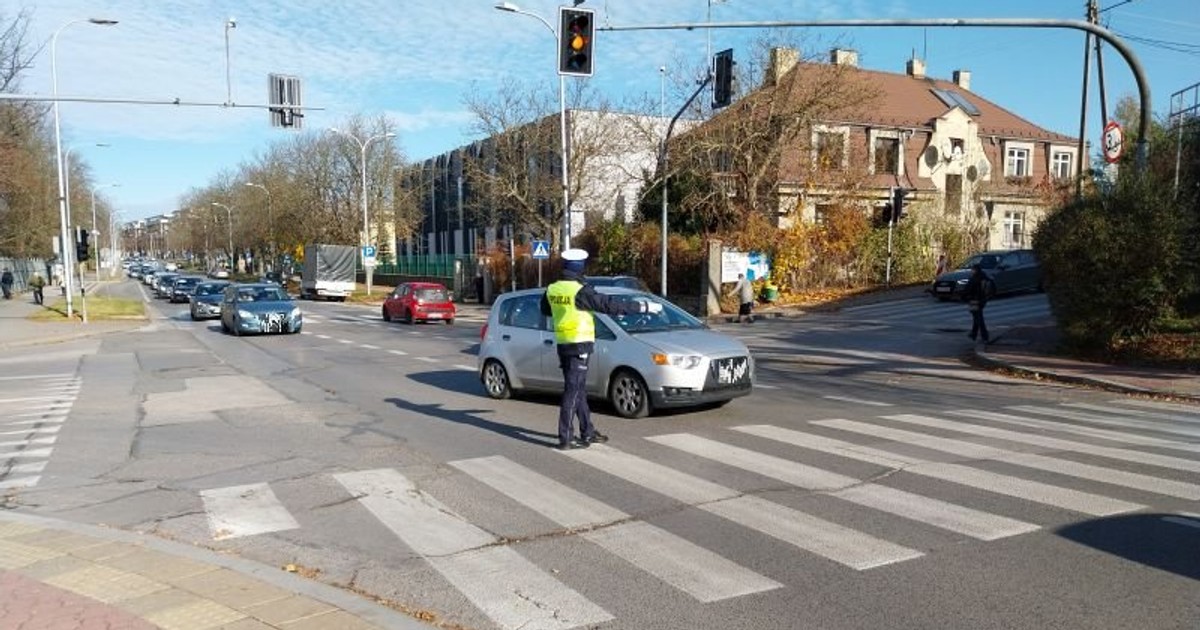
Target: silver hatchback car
(642,362)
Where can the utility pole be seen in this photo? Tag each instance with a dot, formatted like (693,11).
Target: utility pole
(1092,12)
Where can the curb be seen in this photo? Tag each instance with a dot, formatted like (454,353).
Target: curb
(356,605)
(999,365)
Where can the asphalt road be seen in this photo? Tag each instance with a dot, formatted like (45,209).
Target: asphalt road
(872,480)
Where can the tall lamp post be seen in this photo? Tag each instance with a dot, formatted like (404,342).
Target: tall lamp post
(562,121)
(270,224)
(229,212)
(362,146)
(63,214)
(95,232)
(67,191)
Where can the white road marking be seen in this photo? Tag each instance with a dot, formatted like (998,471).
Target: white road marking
(25,469)
(1104,434)
(1141,413)
(30,399)
(426,359)
(858,401)
(509,589)
(344,341)
(247,510)
(1154,404)
(1037,492)
(966,521)
(324,337)
(963,448)
(61,375)
(1125,423)
(823,538)
(398,352)
(762,386)
(369,346)
(32,430)
(30,442)
(690,568)
(27,453)
(464,367)
(19,482)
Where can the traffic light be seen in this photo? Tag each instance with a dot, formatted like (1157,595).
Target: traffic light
(897,205)
(575,29)
(81,244)
(722,78)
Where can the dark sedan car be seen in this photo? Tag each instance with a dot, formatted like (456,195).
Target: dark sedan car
(1010,271)
(627,282)
(259,308)
(206,299)
(162,284)
(182,288)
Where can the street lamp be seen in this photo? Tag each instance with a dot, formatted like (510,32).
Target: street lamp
(63,213)
(229,212)
(270,223)
(562,119)
(362,146)
(95,232)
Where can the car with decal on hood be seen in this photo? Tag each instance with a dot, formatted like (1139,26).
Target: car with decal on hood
(259,308)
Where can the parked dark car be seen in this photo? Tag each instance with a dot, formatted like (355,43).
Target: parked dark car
(182,287)
(259,308)
(205,301)
(162,284)
(627,282)
(1010,271)
(419,302)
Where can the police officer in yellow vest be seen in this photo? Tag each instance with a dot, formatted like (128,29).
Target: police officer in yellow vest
(570,302)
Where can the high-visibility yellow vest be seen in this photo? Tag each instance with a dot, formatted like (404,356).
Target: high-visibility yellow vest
(571,325)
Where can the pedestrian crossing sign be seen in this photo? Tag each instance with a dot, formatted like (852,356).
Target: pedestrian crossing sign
(541,250)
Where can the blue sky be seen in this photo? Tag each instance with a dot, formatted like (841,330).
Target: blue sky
(413,61)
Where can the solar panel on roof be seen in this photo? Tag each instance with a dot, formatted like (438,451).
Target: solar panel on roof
(953,99)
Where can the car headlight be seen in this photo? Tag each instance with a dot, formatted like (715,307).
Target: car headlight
(962,281)
(245,314)
(685,361)
(295,314)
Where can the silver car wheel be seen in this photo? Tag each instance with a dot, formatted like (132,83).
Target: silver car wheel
(628,395)
(495,380)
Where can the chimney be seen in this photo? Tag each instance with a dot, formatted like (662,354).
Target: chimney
(781,61)
(915,68)
(962,78)
(843,57)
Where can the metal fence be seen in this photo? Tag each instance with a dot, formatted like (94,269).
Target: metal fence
(425,266)
(23,269)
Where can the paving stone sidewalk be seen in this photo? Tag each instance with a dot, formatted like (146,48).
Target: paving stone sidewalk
(58,575)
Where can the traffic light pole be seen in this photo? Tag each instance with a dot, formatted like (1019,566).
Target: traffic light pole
(887,279)
(663,157)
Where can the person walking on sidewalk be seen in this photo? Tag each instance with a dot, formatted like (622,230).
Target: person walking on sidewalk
(744,289)
(37,284)
(6,282)
(570,303)
(976,296)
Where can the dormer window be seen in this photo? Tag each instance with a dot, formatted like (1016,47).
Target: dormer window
(829,147)
(887,156)
(1017,159)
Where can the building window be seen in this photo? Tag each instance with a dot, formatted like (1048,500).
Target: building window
(887,156)
(831,150)
(1014,229)
(822,213)
(1016,162)
(1060,165)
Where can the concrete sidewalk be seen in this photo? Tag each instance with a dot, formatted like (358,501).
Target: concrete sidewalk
(18,328)
(58,575)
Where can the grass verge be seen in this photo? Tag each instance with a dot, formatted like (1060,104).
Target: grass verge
(99,308)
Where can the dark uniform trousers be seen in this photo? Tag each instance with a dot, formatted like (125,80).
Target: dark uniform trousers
(574,401)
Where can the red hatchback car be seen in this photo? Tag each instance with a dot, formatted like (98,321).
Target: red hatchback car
(419,302)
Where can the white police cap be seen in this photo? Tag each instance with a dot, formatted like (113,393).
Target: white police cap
(574,254)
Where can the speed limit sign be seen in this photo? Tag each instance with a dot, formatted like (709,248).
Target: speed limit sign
(1114,140)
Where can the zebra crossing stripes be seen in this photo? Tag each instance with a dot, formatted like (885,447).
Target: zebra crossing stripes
(704,575)
(1104,434)
(1136,481)
(930,311)
(1142,413)
(1035,491)
(512,591)
(33,409)
(1159,405)
(966,521)
(1137,457)
(823,538)
(1108,420)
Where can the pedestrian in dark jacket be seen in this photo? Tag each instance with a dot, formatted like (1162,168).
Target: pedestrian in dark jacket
(976,296)
(37,284)
(6,282)
(570,302)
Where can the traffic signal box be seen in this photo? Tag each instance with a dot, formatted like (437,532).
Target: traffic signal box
(898,195)
(575,38)
(722,78)
(81,244)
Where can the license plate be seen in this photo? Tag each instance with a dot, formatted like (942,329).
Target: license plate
(434,316)
(730,371)
(943,289)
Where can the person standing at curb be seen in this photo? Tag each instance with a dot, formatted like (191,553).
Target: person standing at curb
(37,284)
(570,303)
(744,289)
(976,296)
(6,283)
